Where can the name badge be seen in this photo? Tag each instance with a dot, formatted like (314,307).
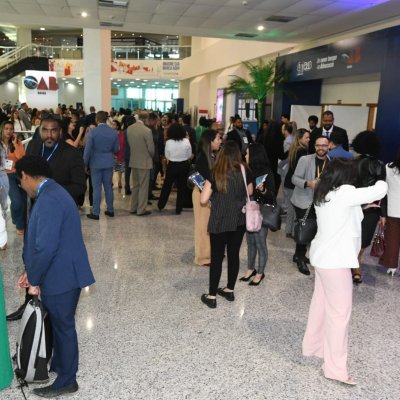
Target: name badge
(245,140)
(8,164)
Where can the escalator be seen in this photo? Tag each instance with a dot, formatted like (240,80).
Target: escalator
(27,63)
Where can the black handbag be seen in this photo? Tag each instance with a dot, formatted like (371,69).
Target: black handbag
(305,228)
(271,214)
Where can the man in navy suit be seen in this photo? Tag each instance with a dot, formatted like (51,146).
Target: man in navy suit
(101,143)
(326,130)
(57,266)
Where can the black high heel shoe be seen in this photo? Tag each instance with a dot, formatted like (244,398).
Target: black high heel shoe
(212,303)
(252,283)
(244,279)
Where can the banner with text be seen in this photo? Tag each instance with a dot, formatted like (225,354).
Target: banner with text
(41,89)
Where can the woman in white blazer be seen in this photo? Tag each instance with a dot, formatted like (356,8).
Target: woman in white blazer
(333,253)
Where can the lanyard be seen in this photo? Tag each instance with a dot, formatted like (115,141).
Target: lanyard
(51,154)
(319,171)
(39,188)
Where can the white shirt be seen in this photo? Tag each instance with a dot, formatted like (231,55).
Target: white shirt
(393,181)
(178,150)
(338,239)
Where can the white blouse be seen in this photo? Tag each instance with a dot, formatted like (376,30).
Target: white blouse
(178,150)
(338,239)
(393,181)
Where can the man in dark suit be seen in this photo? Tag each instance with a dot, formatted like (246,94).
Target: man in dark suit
(325,130)
(91,117)
(240,135)
(101,143)
(66,162)
(57,266)
(312,123)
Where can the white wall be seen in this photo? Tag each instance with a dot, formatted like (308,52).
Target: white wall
(357,92)
(9,92)
(70,94)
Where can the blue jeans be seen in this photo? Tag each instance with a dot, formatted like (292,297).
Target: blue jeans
(18,201)
(102,177)
(257,243)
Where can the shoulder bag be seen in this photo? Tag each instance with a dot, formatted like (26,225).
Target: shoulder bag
(251,209)
(378,243)
(271,215)
(305,228)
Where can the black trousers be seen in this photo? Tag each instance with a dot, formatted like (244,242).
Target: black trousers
(232,242)
(128,170)
(301,249)
(177,172)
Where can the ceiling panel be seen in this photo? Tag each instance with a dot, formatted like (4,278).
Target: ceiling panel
(82,3)
(227,12)
(200,11)
(7,8)
(164,19)
(56,11)
(305,7)
(143,18)
(143,6)
(27,8)
(172,8)
(53,2)
(192,22)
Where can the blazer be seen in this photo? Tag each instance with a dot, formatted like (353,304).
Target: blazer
(141,143)
(66,166)
(338,239)
(102,142)
(305,171)
(54,253)
(317,132)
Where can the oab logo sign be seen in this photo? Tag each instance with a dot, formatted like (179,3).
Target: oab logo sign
(41,89)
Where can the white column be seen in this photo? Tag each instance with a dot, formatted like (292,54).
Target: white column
(97,69)
(24,36)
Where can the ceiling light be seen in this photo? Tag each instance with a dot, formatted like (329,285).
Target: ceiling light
(133,34)
(119,80)
(84,14)
(260,28)
(42,29)
(145,80)
(138,79)
(78,77)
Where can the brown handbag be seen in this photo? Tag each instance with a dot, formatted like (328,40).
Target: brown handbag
(378,243)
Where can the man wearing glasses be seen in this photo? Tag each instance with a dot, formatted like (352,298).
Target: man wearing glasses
(304,179)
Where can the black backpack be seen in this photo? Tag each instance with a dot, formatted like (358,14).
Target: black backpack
(34,344)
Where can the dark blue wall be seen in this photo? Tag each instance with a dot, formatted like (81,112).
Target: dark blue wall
(376,52)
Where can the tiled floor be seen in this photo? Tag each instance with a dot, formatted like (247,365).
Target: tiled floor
(144,333)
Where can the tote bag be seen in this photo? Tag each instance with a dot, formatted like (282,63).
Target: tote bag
(251,209)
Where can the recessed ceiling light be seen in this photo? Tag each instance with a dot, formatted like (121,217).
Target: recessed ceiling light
(145,80)
(42,29)
(133,34)
(260,28)
(84,14)
(78,77)
(138,79)
(119,80)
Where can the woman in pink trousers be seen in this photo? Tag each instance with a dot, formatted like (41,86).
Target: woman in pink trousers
(333,253)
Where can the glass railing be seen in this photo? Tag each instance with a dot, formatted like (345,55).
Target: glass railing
(10,55)
(167,52)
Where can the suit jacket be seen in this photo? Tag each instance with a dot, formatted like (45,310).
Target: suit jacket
(234,135)
(54,254)
(305,171)
(339,151)
(25,119)
(101,143)
(338,240)
(317,132)
(141,143)
(66,166)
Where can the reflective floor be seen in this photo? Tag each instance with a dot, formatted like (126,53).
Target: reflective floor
(144,333)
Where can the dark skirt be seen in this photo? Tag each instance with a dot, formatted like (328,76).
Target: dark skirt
(368,226)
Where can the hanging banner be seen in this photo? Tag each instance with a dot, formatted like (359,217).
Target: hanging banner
(143,69)
(67,68)
(41,89)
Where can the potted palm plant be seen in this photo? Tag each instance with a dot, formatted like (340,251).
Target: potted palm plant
(264,78)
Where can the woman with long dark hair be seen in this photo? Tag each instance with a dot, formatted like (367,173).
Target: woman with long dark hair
(333,253)
(370,170)
(265,194)
(14,150)
(227,224)
(390,257)
(178,152)
(209,145)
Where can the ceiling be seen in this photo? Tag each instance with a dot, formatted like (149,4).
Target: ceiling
(310,19)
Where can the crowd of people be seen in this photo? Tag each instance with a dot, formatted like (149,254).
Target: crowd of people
(347,194)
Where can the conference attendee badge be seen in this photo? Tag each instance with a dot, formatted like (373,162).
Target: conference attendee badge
(245,140)
(8,164)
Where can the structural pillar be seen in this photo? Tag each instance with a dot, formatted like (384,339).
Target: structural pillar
(97,69)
